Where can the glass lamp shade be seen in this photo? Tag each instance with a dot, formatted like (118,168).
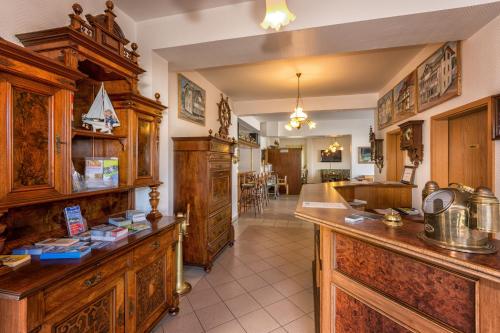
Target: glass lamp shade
(277,15)
(312,124)
(288,127)
(294,123)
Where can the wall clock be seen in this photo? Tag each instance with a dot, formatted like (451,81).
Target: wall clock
(411,140)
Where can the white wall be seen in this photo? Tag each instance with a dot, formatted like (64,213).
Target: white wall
(182,128)
(480,78)
(314,164)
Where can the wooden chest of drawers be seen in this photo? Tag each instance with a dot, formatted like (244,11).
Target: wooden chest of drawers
(202,178)
(124,287)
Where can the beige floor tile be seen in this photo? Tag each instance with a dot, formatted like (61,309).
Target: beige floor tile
(219,277)
(201,285)
(267,295)
(304,279)
(240,271)
(290,269)
(279,330)
(252,282)
(230,327)
(185,324)
(184,306)
(248,258)
(276,261)
(304,300)
(203,298)
(273,275)
(258,322)
(229,290)
(284,311)
(302,325)
(259,266)
(242,304)
(288,287)
(214,315)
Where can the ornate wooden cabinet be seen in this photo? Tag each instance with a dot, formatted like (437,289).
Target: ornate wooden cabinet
(125,287)
(202,178)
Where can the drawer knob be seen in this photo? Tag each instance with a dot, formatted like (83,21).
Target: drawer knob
(155,245)
(93,280)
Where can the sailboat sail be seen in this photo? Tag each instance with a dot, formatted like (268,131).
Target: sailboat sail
(102,115)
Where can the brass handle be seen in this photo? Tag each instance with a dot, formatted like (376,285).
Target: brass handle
(93,280)
(155,245)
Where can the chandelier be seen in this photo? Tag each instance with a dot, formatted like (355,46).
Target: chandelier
(299,117)
(277,15)
(333,148)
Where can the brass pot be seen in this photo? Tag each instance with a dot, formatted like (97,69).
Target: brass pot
(484,211)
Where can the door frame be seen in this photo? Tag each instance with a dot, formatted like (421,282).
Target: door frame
(440,147)
(391,165)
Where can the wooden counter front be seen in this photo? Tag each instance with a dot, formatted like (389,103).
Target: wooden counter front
(374,278)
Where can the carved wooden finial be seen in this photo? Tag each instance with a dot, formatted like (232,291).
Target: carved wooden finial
(77,9)
(110,5)
(210,132)
(157,97)
(134,46)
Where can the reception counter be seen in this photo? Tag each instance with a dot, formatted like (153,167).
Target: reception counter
(374,278)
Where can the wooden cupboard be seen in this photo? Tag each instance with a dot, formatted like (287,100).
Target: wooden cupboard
(202,178)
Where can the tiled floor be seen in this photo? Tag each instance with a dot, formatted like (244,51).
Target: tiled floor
(262,284)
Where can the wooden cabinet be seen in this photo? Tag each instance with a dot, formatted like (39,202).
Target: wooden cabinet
(202,178)
(125,287)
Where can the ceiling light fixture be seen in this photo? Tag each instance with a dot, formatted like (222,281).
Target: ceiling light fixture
(277,15)
(333,148)
(299,117)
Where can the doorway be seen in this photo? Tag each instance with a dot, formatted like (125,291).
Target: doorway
(287,162)
(395,156)
(462,149)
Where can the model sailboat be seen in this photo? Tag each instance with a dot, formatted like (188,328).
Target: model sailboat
(101,116)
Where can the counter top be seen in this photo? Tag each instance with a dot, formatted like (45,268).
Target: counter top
(402,239)
(38,274)
(352,183)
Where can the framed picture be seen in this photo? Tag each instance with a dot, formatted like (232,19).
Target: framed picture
(192,100)
(364,155)
(408,176)
(439,76)
(331,157)
(405,97)
(385,110)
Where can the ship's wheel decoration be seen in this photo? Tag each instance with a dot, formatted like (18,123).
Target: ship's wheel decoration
(224,116)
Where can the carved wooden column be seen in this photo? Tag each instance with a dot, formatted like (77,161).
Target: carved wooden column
(154,200)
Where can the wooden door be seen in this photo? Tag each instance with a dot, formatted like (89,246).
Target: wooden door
(287,162)
(35,141)
(395,157)
(467,152)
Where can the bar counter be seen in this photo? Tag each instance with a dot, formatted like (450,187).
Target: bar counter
(375,278)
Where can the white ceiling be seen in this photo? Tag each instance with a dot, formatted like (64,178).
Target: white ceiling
(317,115)
(340,74)
(147,9)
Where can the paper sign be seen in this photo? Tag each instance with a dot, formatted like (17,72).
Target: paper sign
(316,204)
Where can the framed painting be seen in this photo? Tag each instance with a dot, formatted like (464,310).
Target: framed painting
(365,155)
(408,176)
(385,112)
(405,97)
(192,99)
(439,76)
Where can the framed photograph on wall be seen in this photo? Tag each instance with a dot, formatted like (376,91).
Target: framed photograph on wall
(439,76)
(192,99)
(405,97)
(385,112)
(364,155)
(408,176)
(334,157)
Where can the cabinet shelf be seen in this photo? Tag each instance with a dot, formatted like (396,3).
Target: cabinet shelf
(96,135)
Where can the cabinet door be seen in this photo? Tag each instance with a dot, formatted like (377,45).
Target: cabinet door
(145,149)
(102,311)
(219,189)
(33,140)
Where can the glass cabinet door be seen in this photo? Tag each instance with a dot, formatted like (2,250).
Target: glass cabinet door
(146,148)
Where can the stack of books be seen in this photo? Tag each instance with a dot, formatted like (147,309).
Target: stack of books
(14,260)
(136,216)
(107,232)
(119,221)
(76,251)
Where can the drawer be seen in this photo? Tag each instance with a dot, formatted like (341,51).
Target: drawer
(215,246)
(219,194)
(219,223)
(59,295)
(409,281)
(152,247)
(219,157)
(219,165)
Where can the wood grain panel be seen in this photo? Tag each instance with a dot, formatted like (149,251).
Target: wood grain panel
(435,292)
(353,316)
